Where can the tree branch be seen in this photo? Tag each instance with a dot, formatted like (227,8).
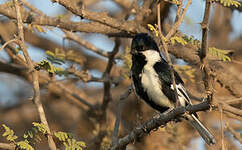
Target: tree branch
(36,98)
(155,123)
(207,79)
(167,54)
(118,115)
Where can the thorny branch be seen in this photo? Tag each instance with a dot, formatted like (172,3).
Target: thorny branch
(147,127)
(207,79)
(105,24)
(35,79)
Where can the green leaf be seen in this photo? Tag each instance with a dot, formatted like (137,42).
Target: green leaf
(49,53)
(24,145)
(179,40)
(9,134)
(228,3)
(62,136)
(219,53)
(41,127)
(154,29)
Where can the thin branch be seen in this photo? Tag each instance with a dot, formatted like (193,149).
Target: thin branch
(118,115)
(207,79)
(228,108)
(90,27)
(163,119)
(178,22)
(221,127)
(235,101)
(36,98)
(167,54)
(107,97)
(86,44)
(32,8)
(69,91)
(106,76)
(236,135)
(8,42)
(101,17)
(7,146)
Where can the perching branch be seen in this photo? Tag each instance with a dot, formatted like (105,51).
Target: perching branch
(35,79)
(155,123)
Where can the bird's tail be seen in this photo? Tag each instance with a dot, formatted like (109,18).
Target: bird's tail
(202,130)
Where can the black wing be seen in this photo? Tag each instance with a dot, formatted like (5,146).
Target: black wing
(164,72)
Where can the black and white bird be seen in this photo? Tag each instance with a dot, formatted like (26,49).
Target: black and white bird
(152,82)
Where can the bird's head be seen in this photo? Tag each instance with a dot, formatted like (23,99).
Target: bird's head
(142,42)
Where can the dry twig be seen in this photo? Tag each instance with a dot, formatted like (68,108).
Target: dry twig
(118,115)
(35,79)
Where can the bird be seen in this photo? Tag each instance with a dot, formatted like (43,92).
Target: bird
(152,82)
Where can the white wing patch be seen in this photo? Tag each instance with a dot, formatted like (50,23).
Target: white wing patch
(182,94)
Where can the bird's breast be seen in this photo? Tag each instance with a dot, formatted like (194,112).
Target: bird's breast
(152,85)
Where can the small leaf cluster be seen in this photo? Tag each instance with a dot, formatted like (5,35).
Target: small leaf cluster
(24,145)
(68,141)
(49,67)
(11,137)
(154,29)
(60,56)
(192,40)
(9,133)
(179,40)
(220,53)
(228,3)
(72,144)
(39,128)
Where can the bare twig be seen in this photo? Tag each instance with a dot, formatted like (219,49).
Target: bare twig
(207,79)
(221,127)
(8,42)
(155,123)
(118,115)
(101,17)
(36,98)
(179,20)
(7,146)
(107,97)
(228,108)
(69,91)
(86,44)
(234,101)
(106,76)
(167,54)
(32,8)
(235,134)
